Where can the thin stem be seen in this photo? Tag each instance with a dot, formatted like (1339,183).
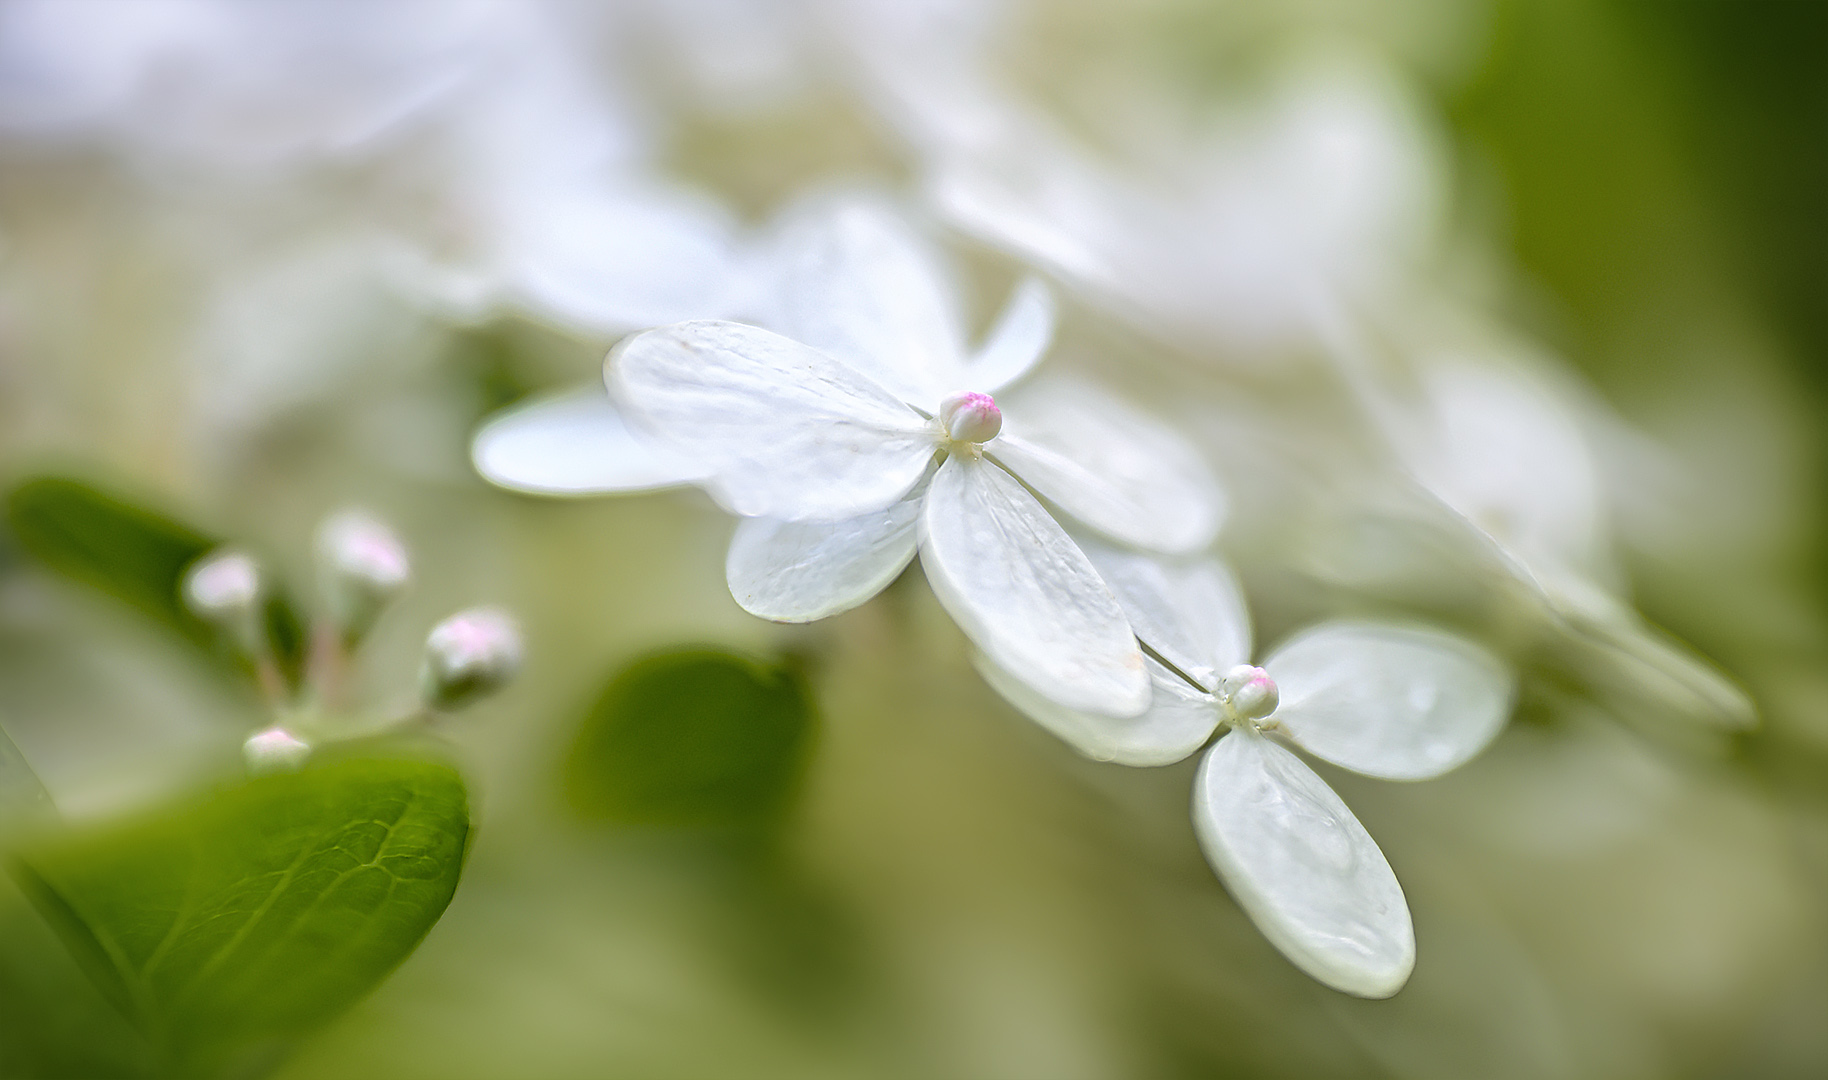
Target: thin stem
(328,665)
(1149,651)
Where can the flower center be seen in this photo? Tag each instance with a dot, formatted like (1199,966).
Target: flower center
(970,417)
(1248,693)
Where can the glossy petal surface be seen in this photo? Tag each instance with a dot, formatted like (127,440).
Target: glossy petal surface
(1387,700)
(864,287)
(1025,594)
(1119,471)
(799,571)
(1302,867)
(786,431)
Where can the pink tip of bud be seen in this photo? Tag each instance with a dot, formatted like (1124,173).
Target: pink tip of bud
(469,655)
(363,547)
(971,417)
(224,583)
(275,750)
(1249,692)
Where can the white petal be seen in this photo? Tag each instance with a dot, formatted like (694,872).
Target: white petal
(785,430)
(1018,340)
(1302,867)
(575,443)
(862,286)
(600,261)
(1191,612)
(1387,700)
(1025,594)
(1179,720)
(800,571)
(1121,472)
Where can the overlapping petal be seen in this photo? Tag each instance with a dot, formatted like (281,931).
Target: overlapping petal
(575,443)
(1017,342)
(1302,866)
(1387,700)
(1190,612)
(1178,721)
(1117,470)
(799,571)
(1025,594)
(862,286)
(785,430)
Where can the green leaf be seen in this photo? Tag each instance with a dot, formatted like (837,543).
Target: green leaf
(228,927)
(692,737)
(22,795)
(134,554)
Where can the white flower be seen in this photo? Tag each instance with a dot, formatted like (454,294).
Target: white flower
(1382,699)
(874,433)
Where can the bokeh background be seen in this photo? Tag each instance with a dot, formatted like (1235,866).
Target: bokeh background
(261,265)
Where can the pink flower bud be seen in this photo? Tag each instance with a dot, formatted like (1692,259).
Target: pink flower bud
(971,417)
(471,654)
(1249,693)
(275,750)
(222,586)
(364,566)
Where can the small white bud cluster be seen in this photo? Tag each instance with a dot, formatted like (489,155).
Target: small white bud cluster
(468,656)
(364,566)
(970,417)
(1249,693)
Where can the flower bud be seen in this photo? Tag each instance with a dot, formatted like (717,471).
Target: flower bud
(275,750)
(971,417)
(364,565)
(1249,692)
(468,656)
(223,586)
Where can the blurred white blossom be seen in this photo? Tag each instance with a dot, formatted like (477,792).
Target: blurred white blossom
(1328,183)
(1509,451)
(221,84)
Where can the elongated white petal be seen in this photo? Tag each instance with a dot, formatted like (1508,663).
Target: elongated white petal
(575,443)
(1389,700)
(1025,594)
(1190,611)
(1121,472)
(1302,867)
(786,431)
(1017,341)
(1179,719)
(799,571)
(862,286)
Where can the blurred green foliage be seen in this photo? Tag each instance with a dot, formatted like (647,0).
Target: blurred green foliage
(138,556)
(229,926)
(696,737)
(22,795)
